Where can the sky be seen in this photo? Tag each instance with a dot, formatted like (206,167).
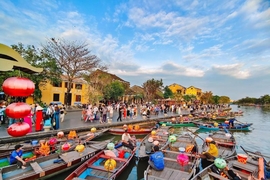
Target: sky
(214,45)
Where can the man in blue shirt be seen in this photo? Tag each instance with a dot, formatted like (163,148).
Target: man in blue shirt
(16,157)
(156,160)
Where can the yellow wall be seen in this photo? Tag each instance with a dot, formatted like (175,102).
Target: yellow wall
(194,91)
(177,88)
(48,90)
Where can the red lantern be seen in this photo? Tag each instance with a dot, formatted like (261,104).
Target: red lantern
(18,110)
(18,129)
(18,87)
(66,147)
(52,141)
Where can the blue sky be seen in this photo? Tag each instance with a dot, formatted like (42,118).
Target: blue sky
(218,46)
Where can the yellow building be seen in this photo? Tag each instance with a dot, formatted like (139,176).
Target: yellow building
(177,89)
(194,91)
(56,92)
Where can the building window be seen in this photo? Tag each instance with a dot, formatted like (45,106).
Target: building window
(78,98)
(55,84)
(56,97)
(66,85)
(178,91)
(78,86)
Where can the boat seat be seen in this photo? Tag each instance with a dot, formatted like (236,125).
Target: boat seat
(100,168)
(217,176)
(37,169)
(115,158)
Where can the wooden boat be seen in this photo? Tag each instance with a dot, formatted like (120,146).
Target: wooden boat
(211,127)
(184,124)
(94,167)
(225,143)
(120,131)
(173,170)
(52,164)
(250,166)
(29,145)
(162,134)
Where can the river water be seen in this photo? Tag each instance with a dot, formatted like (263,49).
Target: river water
(258,139)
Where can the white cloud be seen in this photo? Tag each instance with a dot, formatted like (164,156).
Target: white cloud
(233,70)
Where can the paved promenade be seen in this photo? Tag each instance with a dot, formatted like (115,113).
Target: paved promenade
(73,120)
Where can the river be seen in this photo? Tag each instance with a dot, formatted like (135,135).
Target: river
(255,140)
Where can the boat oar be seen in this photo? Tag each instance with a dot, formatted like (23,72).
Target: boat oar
(254,153)
(194,134)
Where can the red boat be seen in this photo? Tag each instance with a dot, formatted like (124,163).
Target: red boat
(94,168)
(119,131)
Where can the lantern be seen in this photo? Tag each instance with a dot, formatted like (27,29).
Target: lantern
(182,159)
(52,141)
(163,124)
(79,148)
(65,147)
(110,146)
(220,163)
(18,110)
(216,124)
(18,129)
(172,139)
(93,130)
(153,133)
(110,164)
(60,134)
(18,87)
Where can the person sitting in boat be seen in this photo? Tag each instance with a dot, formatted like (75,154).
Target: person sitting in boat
(210,155)
(231,122)
(127,141)
(156,160)
(16,157)
(149,146)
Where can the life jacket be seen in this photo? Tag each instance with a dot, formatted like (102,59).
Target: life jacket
(44,149)
(72,135)
(189,148)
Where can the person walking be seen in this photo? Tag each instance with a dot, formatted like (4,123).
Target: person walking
(120,110)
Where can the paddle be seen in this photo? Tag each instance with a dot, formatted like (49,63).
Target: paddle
(194,134)
(248,153)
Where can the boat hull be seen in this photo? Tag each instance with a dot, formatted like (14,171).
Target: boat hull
(132,132)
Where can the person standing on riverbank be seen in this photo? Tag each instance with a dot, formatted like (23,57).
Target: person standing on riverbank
(120,111)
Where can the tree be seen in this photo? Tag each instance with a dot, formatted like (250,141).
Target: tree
(151,87)
(38,58)
(167,92)
(215,99)
(206,97)
(224,100)
(113,91)
(73,57)
(189,98)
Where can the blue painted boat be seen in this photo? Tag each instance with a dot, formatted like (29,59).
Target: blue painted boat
(236,127)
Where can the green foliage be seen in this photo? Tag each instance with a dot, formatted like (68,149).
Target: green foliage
(167,92)
(265,99)
(189,98)
(113,91)
(151,88)
(215,99)
(36,57)
(224,100)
